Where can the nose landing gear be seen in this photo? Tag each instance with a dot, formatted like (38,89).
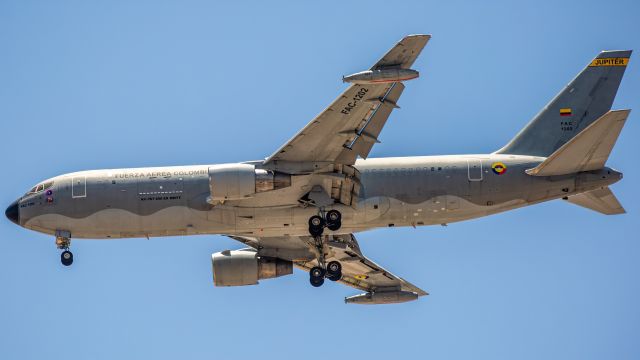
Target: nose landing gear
(66,258)
(63,243)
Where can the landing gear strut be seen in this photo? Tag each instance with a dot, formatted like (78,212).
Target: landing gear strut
(63,243)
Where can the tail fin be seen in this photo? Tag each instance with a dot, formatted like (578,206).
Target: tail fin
(588,97)
(600,200)
(589,150)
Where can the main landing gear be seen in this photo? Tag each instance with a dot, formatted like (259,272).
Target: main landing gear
(333,270)
(332,220)
(63,243)
(317,274)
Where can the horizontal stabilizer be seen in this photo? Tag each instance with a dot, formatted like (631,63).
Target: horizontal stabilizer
(589,150)
(600,200)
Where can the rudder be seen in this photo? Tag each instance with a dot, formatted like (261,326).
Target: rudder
(587,97)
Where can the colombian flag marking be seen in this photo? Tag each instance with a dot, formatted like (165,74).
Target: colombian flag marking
(498,168)
(565,112)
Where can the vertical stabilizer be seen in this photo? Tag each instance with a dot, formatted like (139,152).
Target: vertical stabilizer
(586,98)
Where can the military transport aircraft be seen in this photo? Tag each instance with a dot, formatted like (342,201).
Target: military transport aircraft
(302,205)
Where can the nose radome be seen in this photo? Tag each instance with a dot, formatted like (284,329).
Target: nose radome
(13,212)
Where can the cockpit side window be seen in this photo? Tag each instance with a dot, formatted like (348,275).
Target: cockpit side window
(40,187)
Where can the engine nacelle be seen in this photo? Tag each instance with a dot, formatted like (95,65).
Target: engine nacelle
(240,181)
(245,267)
(381,76)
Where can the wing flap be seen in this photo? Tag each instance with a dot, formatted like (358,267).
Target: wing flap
(367,132)
(358,271)
(350,126)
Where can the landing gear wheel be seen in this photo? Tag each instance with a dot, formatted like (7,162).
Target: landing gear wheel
(334,271)
(334,226)
(317,271)
(66,258)
(316,225)
(334,220)
(316,282)
(316,276)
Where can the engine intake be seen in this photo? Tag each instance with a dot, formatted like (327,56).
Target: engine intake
(245,267)
(240,181)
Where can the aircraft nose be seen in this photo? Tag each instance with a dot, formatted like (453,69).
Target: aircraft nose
(13,212)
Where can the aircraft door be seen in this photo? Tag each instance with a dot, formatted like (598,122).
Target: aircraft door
(474,175)
(474,169)
(79,187)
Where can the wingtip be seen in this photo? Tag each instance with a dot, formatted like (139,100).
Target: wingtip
(428,36)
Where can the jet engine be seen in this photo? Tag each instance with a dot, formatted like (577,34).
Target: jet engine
(245,267)
(240,181)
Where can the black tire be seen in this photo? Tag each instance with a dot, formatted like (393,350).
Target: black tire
(334,271)
(333,216)
(334,267)
(334,226)
(316,225)
(316,221)
(315,231)
(66,258)
(316,282)
(317,272)
(334,220)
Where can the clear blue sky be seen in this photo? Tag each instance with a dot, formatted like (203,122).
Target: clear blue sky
(113,84)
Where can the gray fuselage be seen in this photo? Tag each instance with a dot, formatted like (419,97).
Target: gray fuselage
(407,191)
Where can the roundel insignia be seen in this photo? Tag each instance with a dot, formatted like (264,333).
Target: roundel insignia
(498,168)
(361,277)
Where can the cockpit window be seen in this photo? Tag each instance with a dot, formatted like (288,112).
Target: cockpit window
(40,187)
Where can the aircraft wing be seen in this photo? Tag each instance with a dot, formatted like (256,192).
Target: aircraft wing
(358,271)
(350,126)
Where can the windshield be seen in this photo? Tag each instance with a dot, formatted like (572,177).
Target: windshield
(40,187)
